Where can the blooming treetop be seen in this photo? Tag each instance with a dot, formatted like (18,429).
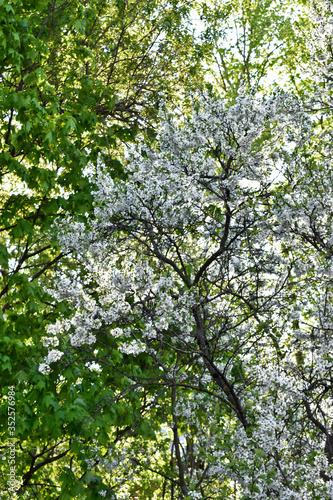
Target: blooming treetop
(211,263)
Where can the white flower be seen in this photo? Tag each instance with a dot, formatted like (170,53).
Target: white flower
(93,366)
(53,356)
(44,368)
(49,341)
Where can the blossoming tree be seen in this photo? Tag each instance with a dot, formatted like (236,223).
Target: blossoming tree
(206,288)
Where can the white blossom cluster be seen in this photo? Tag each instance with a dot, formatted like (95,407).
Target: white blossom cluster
(53,356)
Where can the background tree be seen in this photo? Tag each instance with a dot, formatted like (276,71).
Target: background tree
(252,43)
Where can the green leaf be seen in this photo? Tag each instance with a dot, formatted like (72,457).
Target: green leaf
(4,256)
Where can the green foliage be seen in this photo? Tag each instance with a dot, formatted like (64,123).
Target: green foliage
(250,43)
